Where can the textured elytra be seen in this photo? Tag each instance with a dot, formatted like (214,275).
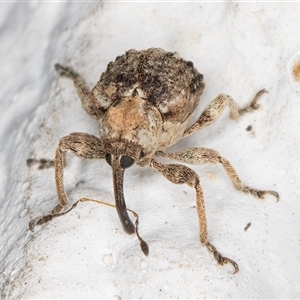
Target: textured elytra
(162,78)
(143,103)
(148,99)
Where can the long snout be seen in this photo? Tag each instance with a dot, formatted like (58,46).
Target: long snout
(120,201)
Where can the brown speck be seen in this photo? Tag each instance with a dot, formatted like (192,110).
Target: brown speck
(296,71)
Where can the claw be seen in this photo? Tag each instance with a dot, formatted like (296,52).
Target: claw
(32,224)
(253,104)
(47,218)
(40,221)
(275,194)
(235,265)
(260,194)
(221,260)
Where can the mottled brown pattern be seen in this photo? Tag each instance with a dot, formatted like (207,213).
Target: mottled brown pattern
(162,78)
(144,102)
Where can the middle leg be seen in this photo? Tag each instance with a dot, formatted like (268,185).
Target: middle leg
(199,156)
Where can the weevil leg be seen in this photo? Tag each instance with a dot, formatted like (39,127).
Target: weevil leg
(89,103)
(200,156)
(180,174)
(82,145)
(215,108)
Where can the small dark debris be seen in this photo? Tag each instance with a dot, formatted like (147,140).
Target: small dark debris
(249,128)
(247,226)
(79,183)
(30,162)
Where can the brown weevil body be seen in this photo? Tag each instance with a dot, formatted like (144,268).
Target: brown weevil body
(144,102)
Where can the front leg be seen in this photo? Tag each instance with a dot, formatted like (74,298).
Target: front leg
(217,106)
(82,145)
(180,174)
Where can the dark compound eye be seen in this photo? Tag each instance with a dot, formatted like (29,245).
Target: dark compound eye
(108,158)
(126,162)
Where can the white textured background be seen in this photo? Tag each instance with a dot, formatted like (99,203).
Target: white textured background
(240,48)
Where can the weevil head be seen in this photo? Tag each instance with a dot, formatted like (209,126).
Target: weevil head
(129,131)
(131,128)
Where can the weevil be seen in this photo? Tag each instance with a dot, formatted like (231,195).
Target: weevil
(144,102)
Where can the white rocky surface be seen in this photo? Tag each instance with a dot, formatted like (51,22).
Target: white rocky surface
(240,48)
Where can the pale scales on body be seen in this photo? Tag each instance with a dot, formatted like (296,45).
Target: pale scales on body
(144,102)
